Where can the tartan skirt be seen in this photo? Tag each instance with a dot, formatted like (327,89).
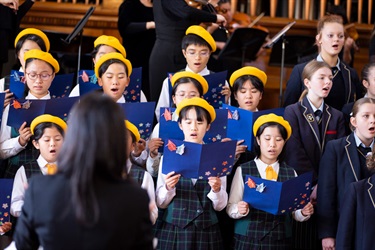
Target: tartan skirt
(190,238)
(246,243)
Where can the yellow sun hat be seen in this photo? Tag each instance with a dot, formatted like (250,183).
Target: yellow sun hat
(32,31)
(203,33)
(248,70)
(195,76)
(48,118)
(132,128)
(196,101)
(110,41)
(272,118)
(44,56)
(110,56)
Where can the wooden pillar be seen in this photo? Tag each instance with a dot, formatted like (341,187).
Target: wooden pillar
(337,2)
(273,8)
(360,7)
(348,9)
(253,7)
(369,11)
(291,6)
(307,9)
(323,4)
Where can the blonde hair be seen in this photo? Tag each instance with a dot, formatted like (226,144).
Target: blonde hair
(309,71)
(328,19)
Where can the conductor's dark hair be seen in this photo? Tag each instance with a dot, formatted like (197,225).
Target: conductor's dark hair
(94,149)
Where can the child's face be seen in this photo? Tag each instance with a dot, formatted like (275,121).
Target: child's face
(26,46)
(104,49)
(370,84)
(50,144)
(193,129)
(114,81)
(185,90)
(364,123)
(248,96)
(39,76)
(271,144)
(331,38)
(320,83)
(197,57)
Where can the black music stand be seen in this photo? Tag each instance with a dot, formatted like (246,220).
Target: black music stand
(280,34)
(243,45)
(78,30)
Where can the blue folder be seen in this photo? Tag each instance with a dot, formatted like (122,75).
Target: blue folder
(6,186)
(278,197)
(199,161)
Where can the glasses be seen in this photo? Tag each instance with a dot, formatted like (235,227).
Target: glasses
(43,76)
(201,53)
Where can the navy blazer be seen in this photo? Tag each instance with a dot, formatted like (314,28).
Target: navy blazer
(48,217)
(306,145)
(339,166)
(295,85)
(356,228)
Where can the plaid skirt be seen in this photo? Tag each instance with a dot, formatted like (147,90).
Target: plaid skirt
(245,243)
(189,238)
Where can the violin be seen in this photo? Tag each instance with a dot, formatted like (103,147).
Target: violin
(243,20)
(352,31)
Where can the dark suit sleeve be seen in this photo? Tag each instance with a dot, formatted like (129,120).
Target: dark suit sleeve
(295,151)
(180,9)
(144,235)
(346,230)
(328,193)
(23,9)
(359,90)
(294,86)
(25,236)
(341,128)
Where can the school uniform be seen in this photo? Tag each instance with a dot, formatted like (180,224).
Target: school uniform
(152,164)
(75,92)
(258,229)
(346,86)
(189,220)
(165,95)
(9,146)
(356,228)
(24,173)
(310,136)
(145,181)
(340,165)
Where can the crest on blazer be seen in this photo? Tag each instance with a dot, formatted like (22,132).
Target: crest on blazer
(310,117)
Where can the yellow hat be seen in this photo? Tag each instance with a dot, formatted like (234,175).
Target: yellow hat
(41,55)
(200,31)
(248,70)
(110,56)
(197,77)
(48,118)
(132,128)
(110,41)
(33,31)
(272,118)
(196,101)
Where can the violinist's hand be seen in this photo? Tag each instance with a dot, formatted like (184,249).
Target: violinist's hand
(13,4)
(211,28)
(221,20)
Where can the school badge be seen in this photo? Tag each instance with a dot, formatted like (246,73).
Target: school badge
(310,117)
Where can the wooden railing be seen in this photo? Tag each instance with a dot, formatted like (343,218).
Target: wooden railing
(308,9)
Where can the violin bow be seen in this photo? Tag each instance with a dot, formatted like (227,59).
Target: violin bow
(256,20)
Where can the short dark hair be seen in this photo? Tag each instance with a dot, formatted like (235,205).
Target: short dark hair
(39,129)
(190,39)
(94,147)
(202,114)
(255,81)
(31,37)
(26,91)
(103,68)
(184,80)
(284,135)
(96,49)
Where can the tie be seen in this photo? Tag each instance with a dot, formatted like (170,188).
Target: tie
(364,150)
(51,168)
(318,114)
(270,173)
(335,70)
